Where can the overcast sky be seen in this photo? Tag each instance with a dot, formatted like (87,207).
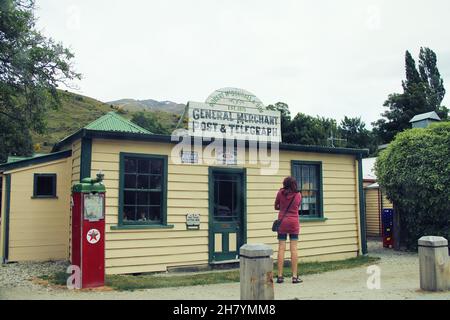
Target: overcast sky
(328,58)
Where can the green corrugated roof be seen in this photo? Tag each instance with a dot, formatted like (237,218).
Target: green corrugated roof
(113,122)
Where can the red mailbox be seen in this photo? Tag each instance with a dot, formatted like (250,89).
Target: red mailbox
(88,231)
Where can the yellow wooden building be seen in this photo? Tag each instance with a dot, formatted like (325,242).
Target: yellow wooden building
(149,194)
(375,199)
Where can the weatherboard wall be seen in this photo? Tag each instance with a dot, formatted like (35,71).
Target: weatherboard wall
(74,178)
(373,211)
(148,250)
(375,202)
(39,228)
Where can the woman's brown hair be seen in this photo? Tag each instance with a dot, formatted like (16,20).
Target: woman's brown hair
(290,184)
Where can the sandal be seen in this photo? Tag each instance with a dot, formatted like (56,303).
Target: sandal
(280,279)
(296,280)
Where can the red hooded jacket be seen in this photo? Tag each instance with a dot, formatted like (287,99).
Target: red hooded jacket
(290,223)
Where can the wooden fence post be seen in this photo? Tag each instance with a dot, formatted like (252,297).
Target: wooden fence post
(434,264)
(256,272)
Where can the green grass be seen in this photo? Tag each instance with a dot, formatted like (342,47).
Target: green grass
(149,281)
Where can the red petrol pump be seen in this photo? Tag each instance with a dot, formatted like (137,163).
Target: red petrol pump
(88,231)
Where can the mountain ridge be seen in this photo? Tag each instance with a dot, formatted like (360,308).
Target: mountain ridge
(130,104)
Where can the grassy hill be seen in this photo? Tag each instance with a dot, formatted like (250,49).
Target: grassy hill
(77,111)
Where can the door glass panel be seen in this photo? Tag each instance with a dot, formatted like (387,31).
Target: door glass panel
(226,198)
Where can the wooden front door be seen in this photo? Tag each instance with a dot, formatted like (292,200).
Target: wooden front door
(227,213)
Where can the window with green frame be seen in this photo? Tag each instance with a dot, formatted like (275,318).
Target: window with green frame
(143,189)
(44,185)
(309,179)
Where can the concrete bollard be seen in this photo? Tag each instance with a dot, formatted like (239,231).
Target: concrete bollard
(256,272)
(434,264)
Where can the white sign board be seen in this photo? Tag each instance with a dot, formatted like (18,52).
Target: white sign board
(234,114)
(193,221)
(189,157)
(226,158)
(93,207)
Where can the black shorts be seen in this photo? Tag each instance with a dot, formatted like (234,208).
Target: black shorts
(283,236)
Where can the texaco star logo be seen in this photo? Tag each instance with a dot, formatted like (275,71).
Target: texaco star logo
(93,236)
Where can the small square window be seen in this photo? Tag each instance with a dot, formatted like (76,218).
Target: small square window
(44,185)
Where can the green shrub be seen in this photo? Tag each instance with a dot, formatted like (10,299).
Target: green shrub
(414,172)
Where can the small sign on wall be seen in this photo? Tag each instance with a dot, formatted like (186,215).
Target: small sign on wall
(193,221)
(227,158)
(189,157)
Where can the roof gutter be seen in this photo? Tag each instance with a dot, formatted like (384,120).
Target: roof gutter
(118,135)
(34,161)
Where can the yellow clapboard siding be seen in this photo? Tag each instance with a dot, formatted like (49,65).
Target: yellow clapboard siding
(157,243)
(151,267)
(39,228)
(329,257)
(304,226)
(36,253)
(372,212)
(179,194)
(308,252)
(188,178)
(163,259)
(48,241)
(188,192)
(104,166)
(270,216)
(153,234)
(309,229)
(154,251)
(39,238)
(193,186)
(309,237)
(332,187)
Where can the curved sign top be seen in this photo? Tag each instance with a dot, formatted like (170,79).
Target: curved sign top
(234,97)
(231,113)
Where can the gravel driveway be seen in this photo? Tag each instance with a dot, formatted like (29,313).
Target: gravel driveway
(399,280)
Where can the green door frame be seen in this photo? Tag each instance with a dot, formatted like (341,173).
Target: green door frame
(243,229)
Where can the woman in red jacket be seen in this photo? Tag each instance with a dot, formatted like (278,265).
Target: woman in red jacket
(288,203)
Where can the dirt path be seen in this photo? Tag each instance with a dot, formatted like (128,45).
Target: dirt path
(399,280)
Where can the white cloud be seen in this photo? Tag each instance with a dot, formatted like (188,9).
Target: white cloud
(331,58)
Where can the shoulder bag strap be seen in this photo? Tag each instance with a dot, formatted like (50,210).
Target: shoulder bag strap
(287,209)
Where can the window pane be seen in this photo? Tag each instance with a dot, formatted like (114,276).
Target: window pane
(155,182)
(45,185)
(139,204)
(155,198)
(130,197)
(130,181)
(142,198)
(313,177)
(142,182)
(157,166)
(144,166)
(142,214)
(307,176)
(130,165)
(129,213)
(155,214)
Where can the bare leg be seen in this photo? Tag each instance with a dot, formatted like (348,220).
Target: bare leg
(281,250)
(294,257)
